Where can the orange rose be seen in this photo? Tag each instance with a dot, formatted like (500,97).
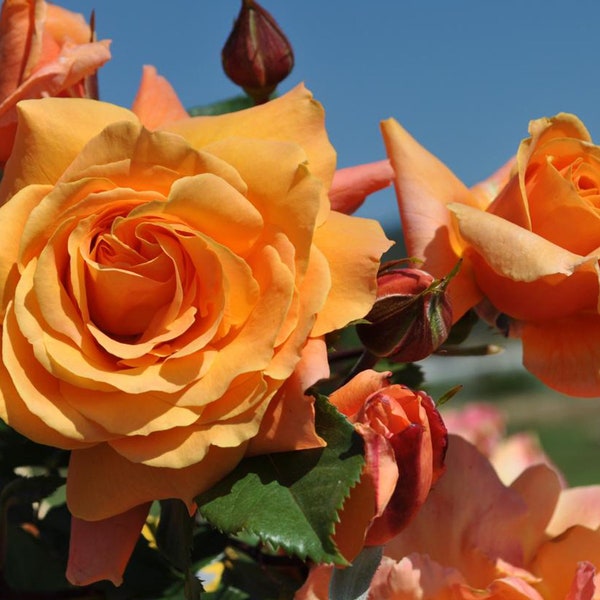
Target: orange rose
(405,444)
(530,250)
(160,288)
(45,50)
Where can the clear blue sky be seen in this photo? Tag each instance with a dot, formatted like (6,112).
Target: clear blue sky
(464,76)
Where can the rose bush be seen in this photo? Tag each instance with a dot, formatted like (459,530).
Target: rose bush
(45,50)
(165,296)
(529,243)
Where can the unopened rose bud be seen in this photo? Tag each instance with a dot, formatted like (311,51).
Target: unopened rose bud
(405,447)
(257,54)
(411,317)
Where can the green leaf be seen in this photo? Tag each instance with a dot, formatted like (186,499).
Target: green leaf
(353,583)
(222,106)
(290,500)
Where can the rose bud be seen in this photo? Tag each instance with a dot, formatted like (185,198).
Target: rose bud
(257,55)
(411,317)
(405,445)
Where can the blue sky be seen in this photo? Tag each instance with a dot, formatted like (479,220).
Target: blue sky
(465,77)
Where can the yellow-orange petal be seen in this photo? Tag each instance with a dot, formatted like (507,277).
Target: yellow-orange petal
(156,102)
(353,268)
(210,205)
(13,217)
(280,186)
(294,117)
(180,447)
(42,132)
(101,549)
(102,483)
(562,125)
(16,413)
(289,423)
(350,398)
(513,251)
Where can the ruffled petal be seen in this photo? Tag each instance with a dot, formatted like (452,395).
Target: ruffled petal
(295,116)
(42,132)
(353,267)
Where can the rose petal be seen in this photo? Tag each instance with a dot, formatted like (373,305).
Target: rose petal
(295,116)
(21,23)
(486,523)
(101,549)
(42,133)
(102,483)
(289,421)
(576,506)
(352,185)
(424,187)
(353,268)
(350,398)
(156,102)
(565,356)
(557,561)
(584,584)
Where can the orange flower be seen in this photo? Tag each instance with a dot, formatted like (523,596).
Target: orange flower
(530,248)
(405,444)
(165,296)
(45,51)
(476,537)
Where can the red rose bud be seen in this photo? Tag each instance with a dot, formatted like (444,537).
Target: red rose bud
(257,55)
(405,446)
(411,317)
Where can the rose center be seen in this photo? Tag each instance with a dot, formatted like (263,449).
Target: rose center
(127,285)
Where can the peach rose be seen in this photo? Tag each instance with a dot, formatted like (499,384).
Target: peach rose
(476,537)
(165,297)
(405,444)
(531,249)
(45,50)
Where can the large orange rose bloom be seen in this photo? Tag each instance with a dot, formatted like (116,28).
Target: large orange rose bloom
(45,50)
(160,288)
(530,250)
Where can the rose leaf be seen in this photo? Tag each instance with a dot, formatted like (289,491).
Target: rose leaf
(290,500)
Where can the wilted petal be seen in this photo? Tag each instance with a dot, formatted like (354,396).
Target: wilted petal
(101,549)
